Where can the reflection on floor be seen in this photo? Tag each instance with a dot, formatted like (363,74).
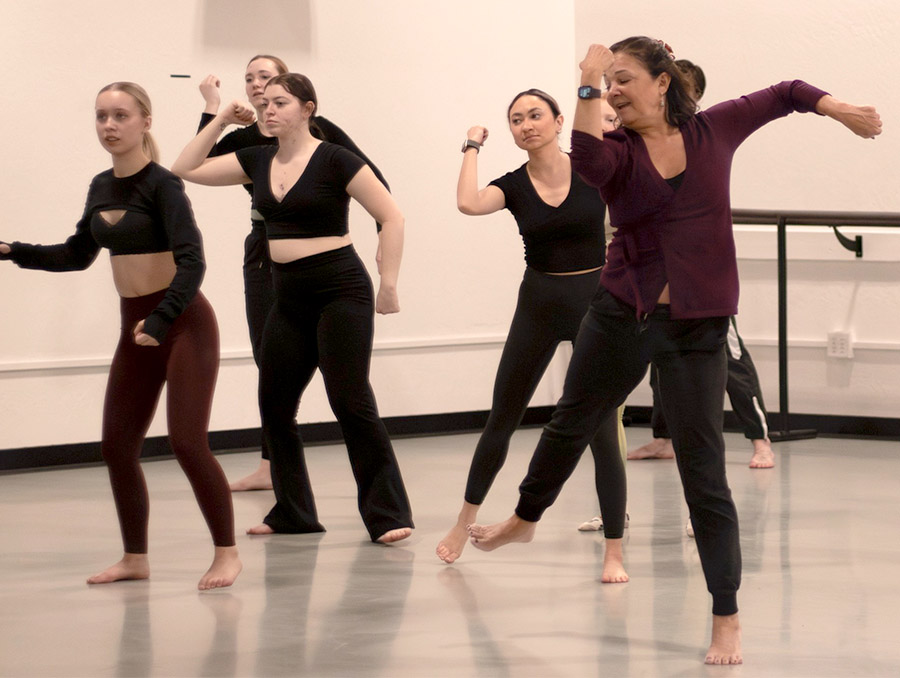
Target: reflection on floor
(820,595)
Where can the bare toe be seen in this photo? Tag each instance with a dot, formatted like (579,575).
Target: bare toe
(392,536)
(262,528)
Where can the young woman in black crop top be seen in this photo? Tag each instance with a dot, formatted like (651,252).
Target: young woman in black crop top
(138,210)
(323,311)
(561,221)
(258,292)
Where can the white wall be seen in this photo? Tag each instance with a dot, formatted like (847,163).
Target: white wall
(800,163)
(406,79)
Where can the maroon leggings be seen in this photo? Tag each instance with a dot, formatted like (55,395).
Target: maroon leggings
(188,361)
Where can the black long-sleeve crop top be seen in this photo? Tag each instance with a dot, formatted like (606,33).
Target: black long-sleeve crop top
(157,218)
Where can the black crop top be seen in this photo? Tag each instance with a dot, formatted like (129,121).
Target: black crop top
(316,205)
(157,218)
(244,137)
(557,239)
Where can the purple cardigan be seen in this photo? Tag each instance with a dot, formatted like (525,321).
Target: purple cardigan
(683,237)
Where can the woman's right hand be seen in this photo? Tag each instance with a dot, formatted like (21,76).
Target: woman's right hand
(238,113)
(477,134)
(4,248)
(209,88)
(597,61)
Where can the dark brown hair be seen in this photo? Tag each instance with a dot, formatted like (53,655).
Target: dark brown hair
(301,87)
(656,56)
(540,94)
(694,75)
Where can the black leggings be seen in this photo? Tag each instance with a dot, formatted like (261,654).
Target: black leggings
(187,361)
(611,356)
(549,311)
(324,317)
(259,293)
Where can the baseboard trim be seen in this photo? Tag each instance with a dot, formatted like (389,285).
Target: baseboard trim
(221,442)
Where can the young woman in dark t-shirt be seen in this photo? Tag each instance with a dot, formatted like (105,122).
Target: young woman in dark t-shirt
(138,210)
(560,219)
(258,292)
(323,311)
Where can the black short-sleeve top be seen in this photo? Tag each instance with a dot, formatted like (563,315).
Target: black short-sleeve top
(557,239)
(316,205)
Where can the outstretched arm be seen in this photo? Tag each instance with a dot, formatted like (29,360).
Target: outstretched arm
(75,254)
(194,165)
(374,197)
(469,199)
(863,121)
(589,112)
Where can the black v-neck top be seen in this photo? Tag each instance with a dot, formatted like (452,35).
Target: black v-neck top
(557,239)
(316,205)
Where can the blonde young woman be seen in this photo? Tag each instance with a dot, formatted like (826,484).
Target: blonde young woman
(138,210)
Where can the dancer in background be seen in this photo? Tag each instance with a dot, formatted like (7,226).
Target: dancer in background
(259,294)
(667,290)
(324,302)
(138,210)
(560,219)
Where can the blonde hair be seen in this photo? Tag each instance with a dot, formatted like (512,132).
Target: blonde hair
(280,66)
(139,94)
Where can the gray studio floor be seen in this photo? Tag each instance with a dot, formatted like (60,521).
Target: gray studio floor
(820,597)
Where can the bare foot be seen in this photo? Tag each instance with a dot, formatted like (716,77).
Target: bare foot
(262,528)
(450,548)
(613,563)
(225,568)
(391,536)
(490,537)
(658,448)
(132,566)
(725,647)
(763,456)
(260,479)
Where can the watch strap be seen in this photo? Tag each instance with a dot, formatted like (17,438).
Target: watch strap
(470,143)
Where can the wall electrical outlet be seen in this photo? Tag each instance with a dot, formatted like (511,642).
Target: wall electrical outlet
(840,345)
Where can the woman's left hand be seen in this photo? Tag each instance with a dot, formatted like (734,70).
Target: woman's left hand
(863,121)
(387,301)
(142,339)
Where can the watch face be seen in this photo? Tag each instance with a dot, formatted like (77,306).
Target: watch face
(584,91)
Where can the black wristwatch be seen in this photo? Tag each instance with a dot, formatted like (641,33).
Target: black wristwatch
(588,92)
(468,143)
